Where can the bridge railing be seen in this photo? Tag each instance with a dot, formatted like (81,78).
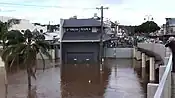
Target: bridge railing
(164,86)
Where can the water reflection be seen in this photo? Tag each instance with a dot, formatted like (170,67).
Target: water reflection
(83,81)
(118,80)
(32,93)
(126,84)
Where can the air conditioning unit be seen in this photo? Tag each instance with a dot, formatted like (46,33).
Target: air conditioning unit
(95,15)
(75,17)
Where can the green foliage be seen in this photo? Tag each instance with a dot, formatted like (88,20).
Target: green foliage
(24,44)
(13,37)
(4,28)
(25,47)
(147,27)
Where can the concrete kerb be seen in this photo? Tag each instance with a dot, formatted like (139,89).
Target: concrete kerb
(151,89)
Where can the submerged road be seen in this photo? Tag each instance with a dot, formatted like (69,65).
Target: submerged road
(118,80)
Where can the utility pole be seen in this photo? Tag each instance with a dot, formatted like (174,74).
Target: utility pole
(116,33)
(116,27)
(101,35)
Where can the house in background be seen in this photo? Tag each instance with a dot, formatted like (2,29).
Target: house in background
(24,25)
(80,40)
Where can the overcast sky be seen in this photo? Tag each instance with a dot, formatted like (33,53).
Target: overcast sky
(127,12)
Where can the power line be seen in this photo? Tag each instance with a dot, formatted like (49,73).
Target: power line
(16,4)
(41,6)
(1,10)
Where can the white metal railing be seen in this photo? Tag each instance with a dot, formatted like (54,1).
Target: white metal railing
(164,87)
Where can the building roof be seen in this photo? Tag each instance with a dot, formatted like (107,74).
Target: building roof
(83,36)
(170,18)
(50,36)
(81,23)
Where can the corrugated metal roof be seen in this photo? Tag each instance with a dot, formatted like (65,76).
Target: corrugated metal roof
(81,23)
(50,36)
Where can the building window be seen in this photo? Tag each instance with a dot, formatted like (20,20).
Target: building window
(94,29)
(72,30)
(85,29)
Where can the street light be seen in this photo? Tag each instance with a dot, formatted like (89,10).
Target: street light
(148,18)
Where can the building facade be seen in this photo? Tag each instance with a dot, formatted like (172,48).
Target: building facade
(80,40)
(170,26)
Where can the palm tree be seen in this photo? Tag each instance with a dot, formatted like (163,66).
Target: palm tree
(28,46)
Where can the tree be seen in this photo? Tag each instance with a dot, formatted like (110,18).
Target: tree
(29,45)
(4,27)
(13,37)
(147,27)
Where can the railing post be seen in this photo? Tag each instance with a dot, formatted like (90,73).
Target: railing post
(161,72)
(138,55)
(152,69)
(3,80)
(143,60)
(151,90)
(169,85)
(143,65)
(134,52)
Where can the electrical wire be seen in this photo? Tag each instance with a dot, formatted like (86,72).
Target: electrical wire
(15,4)
(41,6)
(1,10)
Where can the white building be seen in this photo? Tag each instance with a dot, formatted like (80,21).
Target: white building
(24,25)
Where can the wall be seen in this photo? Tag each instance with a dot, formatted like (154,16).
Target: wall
(61,36)
(82,48)
(61,29)
(57,53)
(155,47)
(120,52)
(48,63)
(51,52)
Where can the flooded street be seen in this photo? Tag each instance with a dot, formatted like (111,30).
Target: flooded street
(118,80)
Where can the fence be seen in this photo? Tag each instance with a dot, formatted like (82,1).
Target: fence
(164,87)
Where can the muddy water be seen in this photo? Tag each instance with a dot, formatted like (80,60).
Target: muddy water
(118,80)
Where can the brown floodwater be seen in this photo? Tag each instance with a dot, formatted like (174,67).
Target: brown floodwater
(117,80)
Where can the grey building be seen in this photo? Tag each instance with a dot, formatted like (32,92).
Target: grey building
(80,40)
(170,26)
